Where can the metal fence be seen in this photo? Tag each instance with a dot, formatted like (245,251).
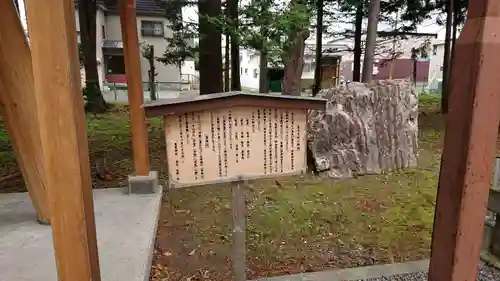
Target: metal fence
(118,92)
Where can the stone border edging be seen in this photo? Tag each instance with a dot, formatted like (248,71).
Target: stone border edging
(355,273)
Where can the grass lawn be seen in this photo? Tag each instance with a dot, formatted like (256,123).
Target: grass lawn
(294,224)
(110,150)
(300,224)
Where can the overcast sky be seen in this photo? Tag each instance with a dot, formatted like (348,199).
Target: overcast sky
(428,26)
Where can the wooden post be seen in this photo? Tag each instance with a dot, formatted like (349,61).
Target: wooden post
(134,84)
(18,106)
(469,147)
(63,137)
(239,240)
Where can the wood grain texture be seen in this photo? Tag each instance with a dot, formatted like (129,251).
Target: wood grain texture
(18,106)
(63,137)
(132,55)
(239,225)
(213,146)
(469,147)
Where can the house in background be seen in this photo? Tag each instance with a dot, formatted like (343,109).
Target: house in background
(386,67)
(436,67)
(152,29)
(250,62)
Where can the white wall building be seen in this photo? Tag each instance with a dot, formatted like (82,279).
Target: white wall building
(250,62)
(436,66)
(152,29)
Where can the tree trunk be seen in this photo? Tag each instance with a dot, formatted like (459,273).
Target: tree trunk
(264,57)
(319,47)
(210,61)
(87,10)
(294,64)
(232,6)
(152,73)
(263,73)
(456,14)
(227,67)
(371,38)
(415,66)
(358,32)
(447,57)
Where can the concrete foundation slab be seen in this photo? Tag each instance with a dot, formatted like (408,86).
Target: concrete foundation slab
(143,184)
(126,228)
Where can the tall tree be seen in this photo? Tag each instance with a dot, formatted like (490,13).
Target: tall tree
(445,87)
(210,52)
(371,38)
(180,46)
(227,63)
(300,12)
(232,6)
(148,52)
(358,33)
(264,52)
(87,10)
(227,51)
(319,47)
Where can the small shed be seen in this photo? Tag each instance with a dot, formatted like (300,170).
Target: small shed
(218,137)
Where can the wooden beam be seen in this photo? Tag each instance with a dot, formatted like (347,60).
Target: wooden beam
(134,84)
(63,137)
(18,106)
(469,147)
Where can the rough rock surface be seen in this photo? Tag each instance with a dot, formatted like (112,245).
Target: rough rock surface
(365,129)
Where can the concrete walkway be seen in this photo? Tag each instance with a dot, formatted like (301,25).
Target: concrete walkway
(126,228)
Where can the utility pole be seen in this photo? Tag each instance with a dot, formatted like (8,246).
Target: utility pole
(371,38)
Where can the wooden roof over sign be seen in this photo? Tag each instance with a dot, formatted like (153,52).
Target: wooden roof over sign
(227,99)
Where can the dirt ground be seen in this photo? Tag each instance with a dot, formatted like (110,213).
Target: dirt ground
(302,224)
(294,224)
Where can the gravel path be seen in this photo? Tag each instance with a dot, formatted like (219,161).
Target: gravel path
(485,273)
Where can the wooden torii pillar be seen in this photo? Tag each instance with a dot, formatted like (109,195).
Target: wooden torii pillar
(469,146)
(18,106)
(64,146)
(132,58)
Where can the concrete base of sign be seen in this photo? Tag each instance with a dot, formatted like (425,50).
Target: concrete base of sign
(126,229)
(142,184)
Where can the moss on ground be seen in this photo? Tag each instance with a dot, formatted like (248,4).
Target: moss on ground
(296,223)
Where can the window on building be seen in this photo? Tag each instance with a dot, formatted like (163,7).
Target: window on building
(115,65)
(255,74)
(103,32)
(241,70)
(246,70)
(152,28)
(435,50)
